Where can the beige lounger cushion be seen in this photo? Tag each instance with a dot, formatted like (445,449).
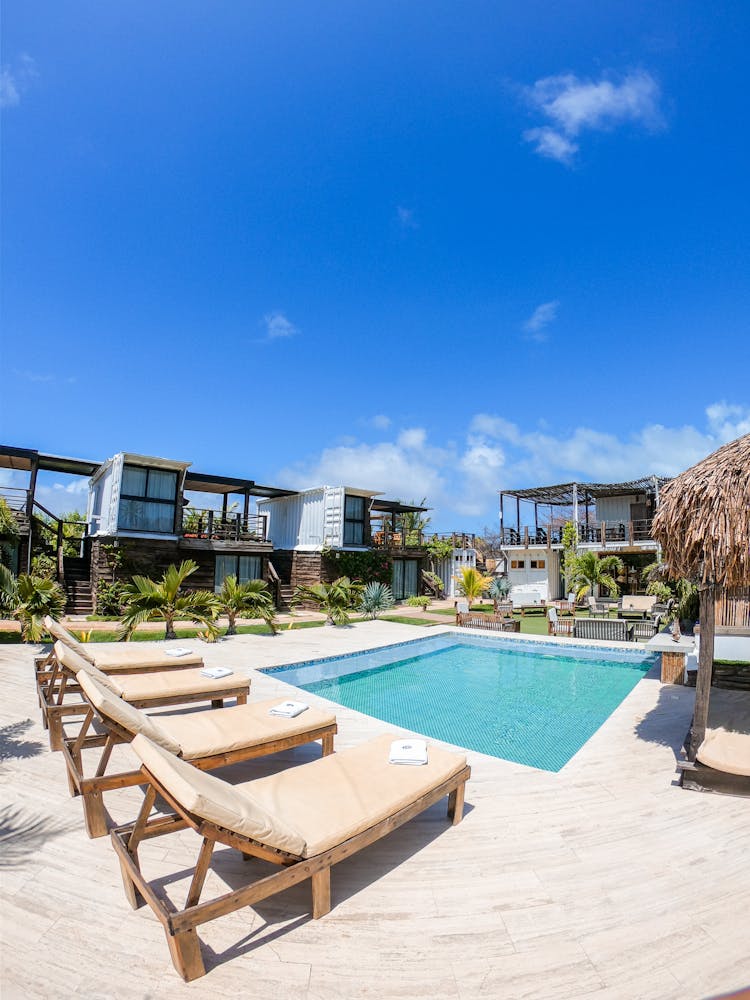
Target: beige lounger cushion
(204,734)
(174,684)
(638,602)
(726,746)
(75,663)
(215,800)
(322,803)
(115,709)
(61,634)
(113,657)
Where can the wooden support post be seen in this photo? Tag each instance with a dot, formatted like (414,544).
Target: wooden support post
(630,533)
(705,668)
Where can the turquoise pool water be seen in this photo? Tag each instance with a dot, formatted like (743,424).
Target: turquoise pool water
(527,702)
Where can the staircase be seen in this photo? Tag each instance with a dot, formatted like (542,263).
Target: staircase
(286,590)
(78,586)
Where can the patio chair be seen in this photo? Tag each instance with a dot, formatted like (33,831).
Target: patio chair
(494,623)
(462,607)
(645,629)
(305,819)
(558,626)
(597,607)
(611,629)
(209,739)
(177,687)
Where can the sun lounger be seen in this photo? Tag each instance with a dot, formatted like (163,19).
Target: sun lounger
(723,759)
(207,740)
(135,657)
(305,819)
(180,687)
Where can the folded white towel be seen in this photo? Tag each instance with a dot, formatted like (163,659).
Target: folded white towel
(408,752)
(216,672)
(289,709)
(178,651)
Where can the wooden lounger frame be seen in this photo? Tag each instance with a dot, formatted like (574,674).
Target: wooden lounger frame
(180,925)
(54,684)
(702,778)
(493,623)
(91,790)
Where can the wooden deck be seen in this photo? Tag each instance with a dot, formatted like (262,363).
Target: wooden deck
(605,880)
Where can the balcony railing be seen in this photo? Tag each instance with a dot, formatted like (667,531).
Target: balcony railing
(593,533)
(386,539)
(213,525)
(15,497)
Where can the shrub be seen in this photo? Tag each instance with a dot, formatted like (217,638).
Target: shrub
(376,597)
(365,566)
(418,602)
(44,567)
(110,598)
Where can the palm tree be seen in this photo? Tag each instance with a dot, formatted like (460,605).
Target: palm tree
(333,599)
(146,599)
(589,571)
(31,598)
(376,597)
(251,599)
(498,589)
(473,584)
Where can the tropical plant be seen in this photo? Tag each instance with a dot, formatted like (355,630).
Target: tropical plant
(146,599)
(251,599)
(333,599)
(32,599)
(433,581)
(473,583)
(7,589)
(376,597)
(414,522)
(589,571)
(422,602)
(9,533)
(499,589)
(43,566)
(439,549)
(367,566)
(569,544)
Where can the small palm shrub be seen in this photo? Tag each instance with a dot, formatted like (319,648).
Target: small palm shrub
(146,599)
(333,599)
(473,584)
(376,597)
(32,599)
(251,599)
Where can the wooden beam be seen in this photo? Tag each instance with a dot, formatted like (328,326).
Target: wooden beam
(705,668)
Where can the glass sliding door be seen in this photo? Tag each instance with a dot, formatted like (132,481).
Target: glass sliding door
(405,578)
(244,568)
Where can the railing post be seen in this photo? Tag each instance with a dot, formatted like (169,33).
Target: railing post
(210,530)
(604,534)
(60,554)
(526,536)
(630,532)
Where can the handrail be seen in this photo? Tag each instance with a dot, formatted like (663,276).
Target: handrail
(275,582)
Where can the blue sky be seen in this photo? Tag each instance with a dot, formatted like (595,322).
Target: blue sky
(433,249)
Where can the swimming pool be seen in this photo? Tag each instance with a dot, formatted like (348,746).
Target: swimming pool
(530,702)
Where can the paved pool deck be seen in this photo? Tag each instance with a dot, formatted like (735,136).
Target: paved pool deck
(603,880)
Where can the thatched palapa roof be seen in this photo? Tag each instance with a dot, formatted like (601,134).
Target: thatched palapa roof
(703,520)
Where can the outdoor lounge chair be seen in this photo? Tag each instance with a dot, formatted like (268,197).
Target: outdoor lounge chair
(559,626)
(304,819)
(611,629)
(645,629)
(494,623)
(636,605)
(723,759)
(206,739)
(132,658)
(176,687)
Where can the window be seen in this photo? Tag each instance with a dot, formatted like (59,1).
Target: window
(538,563)
(147,499)
(243,567)
(354,520)
(518,564)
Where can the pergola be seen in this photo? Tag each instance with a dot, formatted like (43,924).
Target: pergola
(575,495)
(703,527)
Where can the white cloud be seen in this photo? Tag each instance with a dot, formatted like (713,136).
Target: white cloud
(31,376)
(462,481)
(412,438)
(405,218)
(541,318)
(15,80)
(278,326)
(380,422)
(573,105)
